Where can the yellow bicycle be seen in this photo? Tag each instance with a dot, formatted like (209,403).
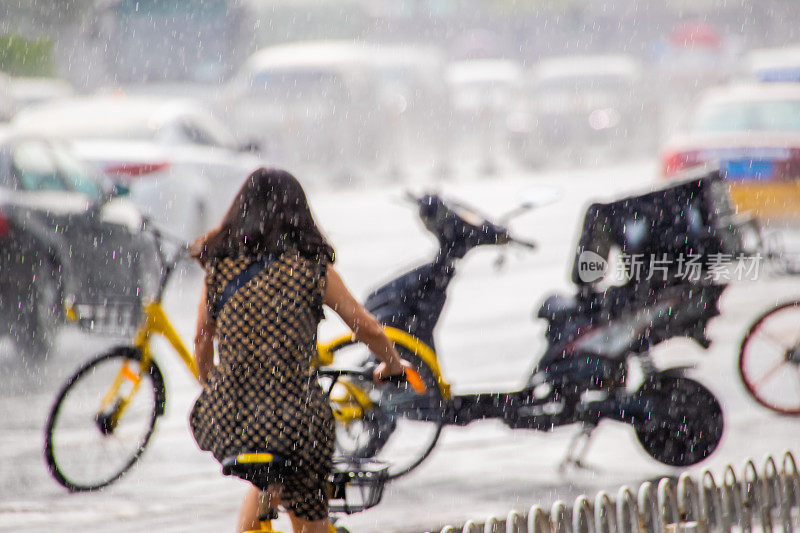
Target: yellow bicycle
(105,414)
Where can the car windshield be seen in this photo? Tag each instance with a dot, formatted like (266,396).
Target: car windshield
(607,83)
(775,115)
(36,168)
(44,167)
(78,176)
(299,85)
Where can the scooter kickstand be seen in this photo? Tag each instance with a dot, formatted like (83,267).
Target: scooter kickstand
(573,460)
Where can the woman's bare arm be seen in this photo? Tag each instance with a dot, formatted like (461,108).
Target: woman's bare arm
(204,340)
(366,328)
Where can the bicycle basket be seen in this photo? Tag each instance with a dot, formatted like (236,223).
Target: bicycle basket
(356,486)
(108,316)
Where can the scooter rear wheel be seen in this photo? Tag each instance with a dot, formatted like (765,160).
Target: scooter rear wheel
(686,422)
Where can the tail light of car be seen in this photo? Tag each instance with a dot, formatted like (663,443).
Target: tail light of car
(791,168)
(129,170)
(5,225)
(673,162)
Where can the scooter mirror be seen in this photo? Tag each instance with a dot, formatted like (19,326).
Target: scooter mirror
(539,196)
(533,197)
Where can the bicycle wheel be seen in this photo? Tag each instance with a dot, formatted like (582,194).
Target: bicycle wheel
(102,420)
(769,359)
(400,428)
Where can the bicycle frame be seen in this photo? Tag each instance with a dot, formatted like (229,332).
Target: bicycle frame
(347,405)
(155,322)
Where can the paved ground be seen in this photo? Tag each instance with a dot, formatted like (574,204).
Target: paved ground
(487,340)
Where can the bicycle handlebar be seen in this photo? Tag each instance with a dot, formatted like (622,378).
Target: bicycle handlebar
(167,264)
(410,376)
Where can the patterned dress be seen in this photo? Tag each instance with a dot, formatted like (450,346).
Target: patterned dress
(262,396)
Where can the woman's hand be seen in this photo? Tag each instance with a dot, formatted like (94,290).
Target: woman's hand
(397,367)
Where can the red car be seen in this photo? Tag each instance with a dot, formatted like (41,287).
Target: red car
(753,133)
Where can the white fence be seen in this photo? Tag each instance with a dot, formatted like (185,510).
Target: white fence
(766,500)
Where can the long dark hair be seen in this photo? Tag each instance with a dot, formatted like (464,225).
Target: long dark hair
(269,214)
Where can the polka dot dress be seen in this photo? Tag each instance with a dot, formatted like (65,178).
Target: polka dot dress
(262,396)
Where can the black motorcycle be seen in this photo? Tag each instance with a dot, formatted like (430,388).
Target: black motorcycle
(592,336)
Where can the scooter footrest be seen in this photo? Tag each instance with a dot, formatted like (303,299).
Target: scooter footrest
(470,407)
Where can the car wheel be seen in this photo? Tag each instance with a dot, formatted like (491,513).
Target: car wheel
(39,325)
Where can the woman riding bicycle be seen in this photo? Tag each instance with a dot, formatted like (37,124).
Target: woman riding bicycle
(268,273)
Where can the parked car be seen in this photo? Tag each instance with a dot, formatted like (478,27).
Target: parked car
(180,165)
(314,107)
(31,91)
(773,64)
(62,241)
(7,103)
(576,106)
(752,132)
(483,92)
(416,101)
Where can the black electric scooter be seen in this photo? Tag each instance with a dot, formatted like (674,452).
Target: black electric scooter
(582,378)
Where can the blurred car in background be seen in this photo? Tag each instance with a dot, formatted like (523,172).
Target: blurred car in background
(31,91)
(309,20)
(773,64)
(416,102)
(62,240)
(313,107)
(135,41)
(577,106)
(482,93)
(180,165)
(7,103)
(752,132)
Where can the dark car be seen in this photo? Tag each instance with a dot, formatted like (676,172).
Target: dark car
(63,242)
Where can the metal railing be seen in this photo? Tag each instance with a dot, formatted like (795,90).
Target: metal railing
(768,500)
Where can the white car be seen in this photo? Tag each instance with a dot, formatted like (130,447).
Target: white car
(415,96)
(181,167)
(773,64)
(7,103)
(312,106)
(32,91)
(478,85)
(752,132)
(482,93)
(578,105)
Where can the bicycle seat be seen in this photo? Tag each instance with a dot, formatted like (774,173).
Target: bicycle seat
(262,469)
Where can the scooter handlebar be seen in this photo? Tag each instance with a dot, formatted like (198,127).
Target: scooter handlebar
(522,242)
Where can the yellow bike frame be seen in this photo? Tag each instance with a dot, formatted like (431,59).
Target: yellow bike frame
(155,321)
(349,403)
